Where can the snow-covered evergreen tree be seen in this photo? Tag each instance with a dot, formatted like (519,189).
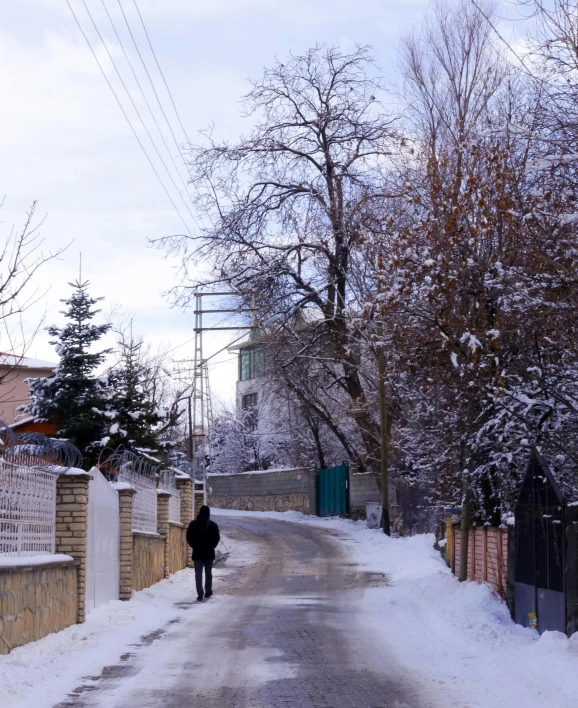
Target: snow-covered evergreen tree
(76,397)
(136,421)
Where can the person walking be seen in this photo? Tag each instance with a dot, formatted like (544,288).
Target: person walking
(203,537)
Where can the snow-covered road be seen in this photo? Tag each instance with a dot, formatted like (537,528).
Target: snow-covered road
(307,612)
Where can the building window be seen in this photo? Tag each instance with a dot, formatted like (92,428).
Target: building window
(249,408)
(251,363)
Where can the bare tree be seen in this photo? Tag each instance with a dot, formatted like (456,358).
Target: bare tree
(21,256)
(287,204)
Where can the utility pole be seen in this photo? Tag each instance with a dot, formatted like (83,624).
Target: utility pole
(200,406)
(466,507)
(384,434)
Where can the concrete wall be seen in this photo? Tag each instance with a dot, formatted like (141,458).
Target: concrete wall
(285,490)
(36,600)
(362,489)
(281,490)
(148,560)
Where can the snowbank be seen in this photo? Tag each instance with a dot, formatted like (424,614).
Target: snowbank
(457,639)
(42,673)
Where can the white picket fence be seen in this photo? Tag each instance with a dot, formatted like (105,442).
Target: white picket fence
(27,511)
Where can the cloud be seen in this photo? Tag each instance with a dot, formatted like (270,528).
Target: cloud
(64,141)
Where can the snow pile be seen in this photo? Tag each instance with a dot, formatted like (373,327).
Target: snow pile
(42,673)
(39,674)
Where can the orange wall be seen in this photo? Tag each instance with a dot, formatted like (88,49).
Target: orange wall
(13,390)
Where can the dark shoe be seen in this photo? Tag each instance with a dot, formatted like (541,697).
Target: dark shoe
(208,595)
(200,598)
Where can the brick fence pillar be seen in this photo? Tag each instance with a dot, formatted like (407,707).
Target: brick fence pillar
(125,498)
(72,527)
(185,487)
(163,524)
(198,498)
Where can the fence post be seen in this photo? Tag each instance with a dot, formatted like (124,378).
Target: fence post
(185,487)
(163,525)
(71,532)
(485,555)
(472,538)
(449,542)
(125,499)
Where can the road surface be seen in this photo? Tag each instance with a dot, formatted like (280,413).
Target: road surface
(283,632)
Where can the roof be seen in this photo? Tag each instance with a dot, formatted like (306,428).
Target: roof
(30,425)
(25,362)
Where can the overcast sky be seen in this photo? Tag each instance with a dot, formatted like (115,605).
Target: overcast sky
(65,142)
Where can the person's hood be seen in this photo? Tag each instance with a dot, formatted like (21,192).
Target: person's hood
(204,513)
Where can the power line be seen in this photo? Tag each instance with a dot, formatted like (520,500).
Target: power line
(187,140)
(161,73)
(137,111)
(126,117)
(146,100)
(149,76)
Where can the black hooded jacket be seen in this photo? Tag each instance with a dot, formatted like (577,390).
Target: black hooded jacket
(203,536)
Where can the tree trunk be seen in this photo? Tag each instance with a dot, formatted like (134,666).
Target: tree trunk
(464,536)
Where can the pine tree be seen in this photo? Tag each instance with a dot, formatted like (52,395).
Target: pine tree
(136,420)
(76,397)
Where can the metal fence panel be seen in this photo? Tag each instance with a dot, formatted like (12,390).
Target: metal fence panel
(144,509)
(168,484)
(174,506)
(27,511)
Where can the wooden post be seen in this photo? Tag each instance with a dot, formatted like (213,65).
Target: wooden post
(485,556)
(472,535)
(450,542)
(384,435)
(500,562)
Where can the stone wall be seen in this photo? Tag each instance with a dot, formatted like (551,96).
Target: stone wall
(36,600)
(148,560)
(270,502)
(279,490)
(177,548)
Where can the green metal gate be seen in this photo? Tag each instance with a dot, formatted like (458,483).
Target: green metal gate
(331,488)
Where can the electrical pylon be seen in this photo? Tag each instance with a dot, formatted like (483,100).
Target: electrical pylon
(199,404)
(201,407)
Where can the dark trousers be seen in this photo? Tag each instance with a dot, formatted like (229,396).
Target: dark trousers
(208,566)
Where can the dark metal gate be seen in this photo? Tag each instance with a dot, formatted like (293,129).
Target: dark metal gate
(539,551)
(331,488)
